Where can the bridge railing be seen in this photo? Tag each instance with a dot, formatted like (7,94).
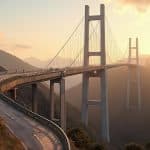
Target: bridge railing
(47,123)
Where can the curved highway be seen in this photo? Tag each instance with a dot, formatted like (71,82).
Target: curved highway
(10,81)
(34,131)
(31,133)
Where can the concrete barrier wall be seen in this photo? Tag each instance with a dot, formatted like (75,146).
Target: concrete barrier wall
(47,123)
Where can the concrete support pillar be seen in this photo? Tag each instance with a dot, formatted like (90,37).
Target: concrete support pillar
(85,87)
(138,75)
(13,93)
(61,82)
(34,100)
(104,108)
(103,76)
(129,77)
(52,110)
(85,82)
(63,104)
(86,36)
(128,89)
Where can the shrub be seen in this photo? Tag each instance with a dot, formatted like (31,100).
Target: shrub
(133,146)
(147,146)
(79,137)
(95,146)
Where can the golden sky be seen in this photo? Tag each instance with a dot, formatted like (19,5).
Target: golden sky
(39,28)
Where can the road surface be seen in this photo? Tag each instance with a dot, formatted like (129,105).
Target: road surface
(32,134)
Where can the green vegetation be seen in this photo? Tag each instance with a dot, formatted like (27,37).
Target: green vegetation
(7,140)
(133,146)
(82,141)
(147,146)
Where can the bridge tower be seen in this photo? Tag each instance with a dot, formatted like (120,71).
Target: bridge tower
(133,50)
(103,102)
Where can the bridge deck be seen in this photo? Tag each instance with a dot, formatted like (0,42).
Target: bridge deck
(9,81)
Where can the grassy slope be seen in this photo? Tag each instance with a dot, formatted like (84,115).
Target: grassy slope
(7,140)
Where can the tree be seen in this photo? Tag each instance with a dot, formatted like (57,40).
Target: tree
(147,146)
(133,146)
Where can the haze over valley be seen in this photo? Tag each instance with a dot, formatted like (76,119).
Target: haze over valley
(74,75)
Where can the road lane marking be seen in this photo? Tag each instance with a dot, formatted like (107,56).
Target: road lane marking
(45,142)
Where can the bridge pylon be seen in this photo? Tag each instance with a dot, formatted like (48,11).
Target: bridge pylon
(103,102)
(133,50)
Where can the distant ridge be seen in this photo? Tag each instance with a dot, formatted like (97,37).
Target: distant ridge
(12,63)
(59,62)
(36,62)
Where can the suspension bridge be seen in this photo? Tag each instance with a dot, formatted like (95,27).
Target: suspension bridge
(92,57)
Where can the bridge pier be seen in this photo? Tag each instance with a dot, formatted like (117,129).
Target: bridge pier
(103,102)
(61,82)
(62,104)
(85,86)
(52,104)
(13,93)
(34,100)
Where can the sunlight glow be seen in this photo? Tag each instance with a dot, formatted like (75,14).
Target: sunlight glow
(45,25)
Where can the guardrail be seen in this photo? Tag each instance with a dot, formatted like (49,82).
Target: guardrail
(48,123)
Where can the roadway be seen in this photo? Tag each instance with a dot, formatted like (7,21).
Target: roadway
(32,134)
(10,81)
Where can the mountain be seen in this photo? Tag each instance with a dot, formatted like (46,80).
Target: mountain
(58,63)
(36,62)
(125,126)
(24,95)
(12,63)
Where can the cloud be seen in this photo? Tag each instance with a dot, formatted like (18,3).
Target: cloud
(141,5)
(22,46)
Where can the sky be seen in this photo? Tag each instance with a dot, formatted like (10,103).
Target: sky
(38,28)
